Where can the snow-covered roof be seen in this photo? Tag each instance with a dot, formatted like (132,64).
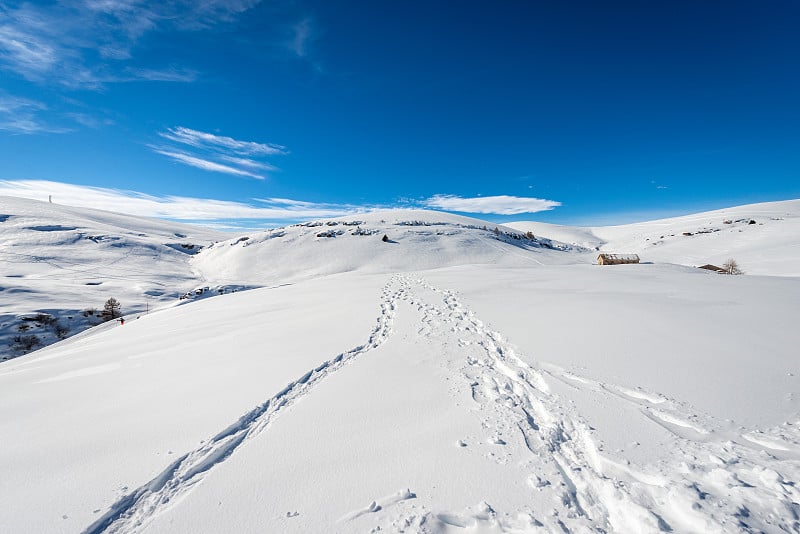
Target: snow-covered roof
(619,257)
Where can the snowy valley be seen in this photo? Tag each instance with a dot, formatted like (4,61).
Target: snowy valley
(458,376)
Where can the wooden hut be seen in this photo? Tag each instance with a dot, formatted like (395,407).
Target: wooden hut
(617,259)
(714,268)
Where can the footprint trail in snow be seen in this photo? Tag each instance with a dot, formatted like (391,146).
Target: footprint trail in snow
(133,512)
(707,483)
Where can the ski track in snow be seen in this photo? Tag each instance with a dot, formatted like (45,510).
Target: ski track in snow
(133,512)
(711,481)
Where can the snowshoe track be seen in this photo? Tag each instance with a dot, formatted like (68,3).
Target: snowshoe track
(133,512)
(708,483)
(517,405)
(711,482)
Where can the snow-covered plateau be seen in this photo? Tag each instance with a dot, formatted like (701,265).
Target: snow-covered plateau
(455,377)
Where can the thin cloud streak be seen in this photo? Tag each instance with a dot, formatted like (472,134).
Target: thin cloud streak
(88,120)
(28,55)
(498,205)
(218,153)
(301,205)
(169,207)
(301,34)
(186,209)
(204,164)
(199,139)
(86,44)
(249,163)
(22,116)
(164,75)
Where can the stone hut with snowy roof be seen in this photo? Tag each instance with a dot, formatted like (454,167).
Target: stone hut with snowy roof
(617,259)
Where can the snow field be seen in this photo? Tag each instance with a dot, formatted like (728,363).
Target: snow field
(165,386)
(62,261)
(472,438)
(769,246)
(454,380)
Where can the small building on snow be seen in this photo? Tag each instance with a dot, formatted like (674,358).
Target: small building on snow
(714,268)
(617,259)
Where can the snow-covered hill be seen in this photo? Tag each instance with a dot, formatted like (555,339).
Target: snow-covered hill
(763,238)
(452,379)
(62,264)
(415,239)
(59,263)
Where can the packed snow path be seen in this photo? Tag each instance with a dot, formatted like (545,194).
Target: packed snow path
(706,482)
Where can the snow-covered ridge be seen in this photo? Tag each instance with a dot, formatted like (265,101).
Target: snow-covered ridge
(764,238)
(60,264)
(414,239)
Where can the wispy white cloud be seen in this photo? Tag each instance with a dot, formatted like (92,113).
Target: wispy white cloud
(204,164)
(171,74)
(499,205)
(24,116)
(301,205)
(218,153)
(206,14)
(87,120)
(26,52)
(11,104)
(249,163)
(301,35)
(658,185)
(199,139)
(88,43)
(217,213)
(171,207)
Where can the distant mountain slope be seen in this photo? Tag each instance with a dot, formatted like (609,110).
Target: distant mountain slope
(416,239)
(59,261)
(576,235)
(62,263)
(763,238)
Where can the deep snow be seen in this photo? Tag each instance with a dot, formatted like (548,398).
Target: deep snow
(455,379)
(762,238)
(63,262)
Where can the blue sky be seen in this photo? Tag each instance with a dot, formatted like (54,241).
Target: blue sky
(578,112)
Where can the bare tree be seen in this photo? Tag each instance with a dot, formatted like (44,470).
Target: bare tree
(731,267)
(111,309)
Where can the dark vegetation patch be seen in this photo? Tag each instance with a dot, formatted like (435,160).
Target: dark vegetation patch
(52,228)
